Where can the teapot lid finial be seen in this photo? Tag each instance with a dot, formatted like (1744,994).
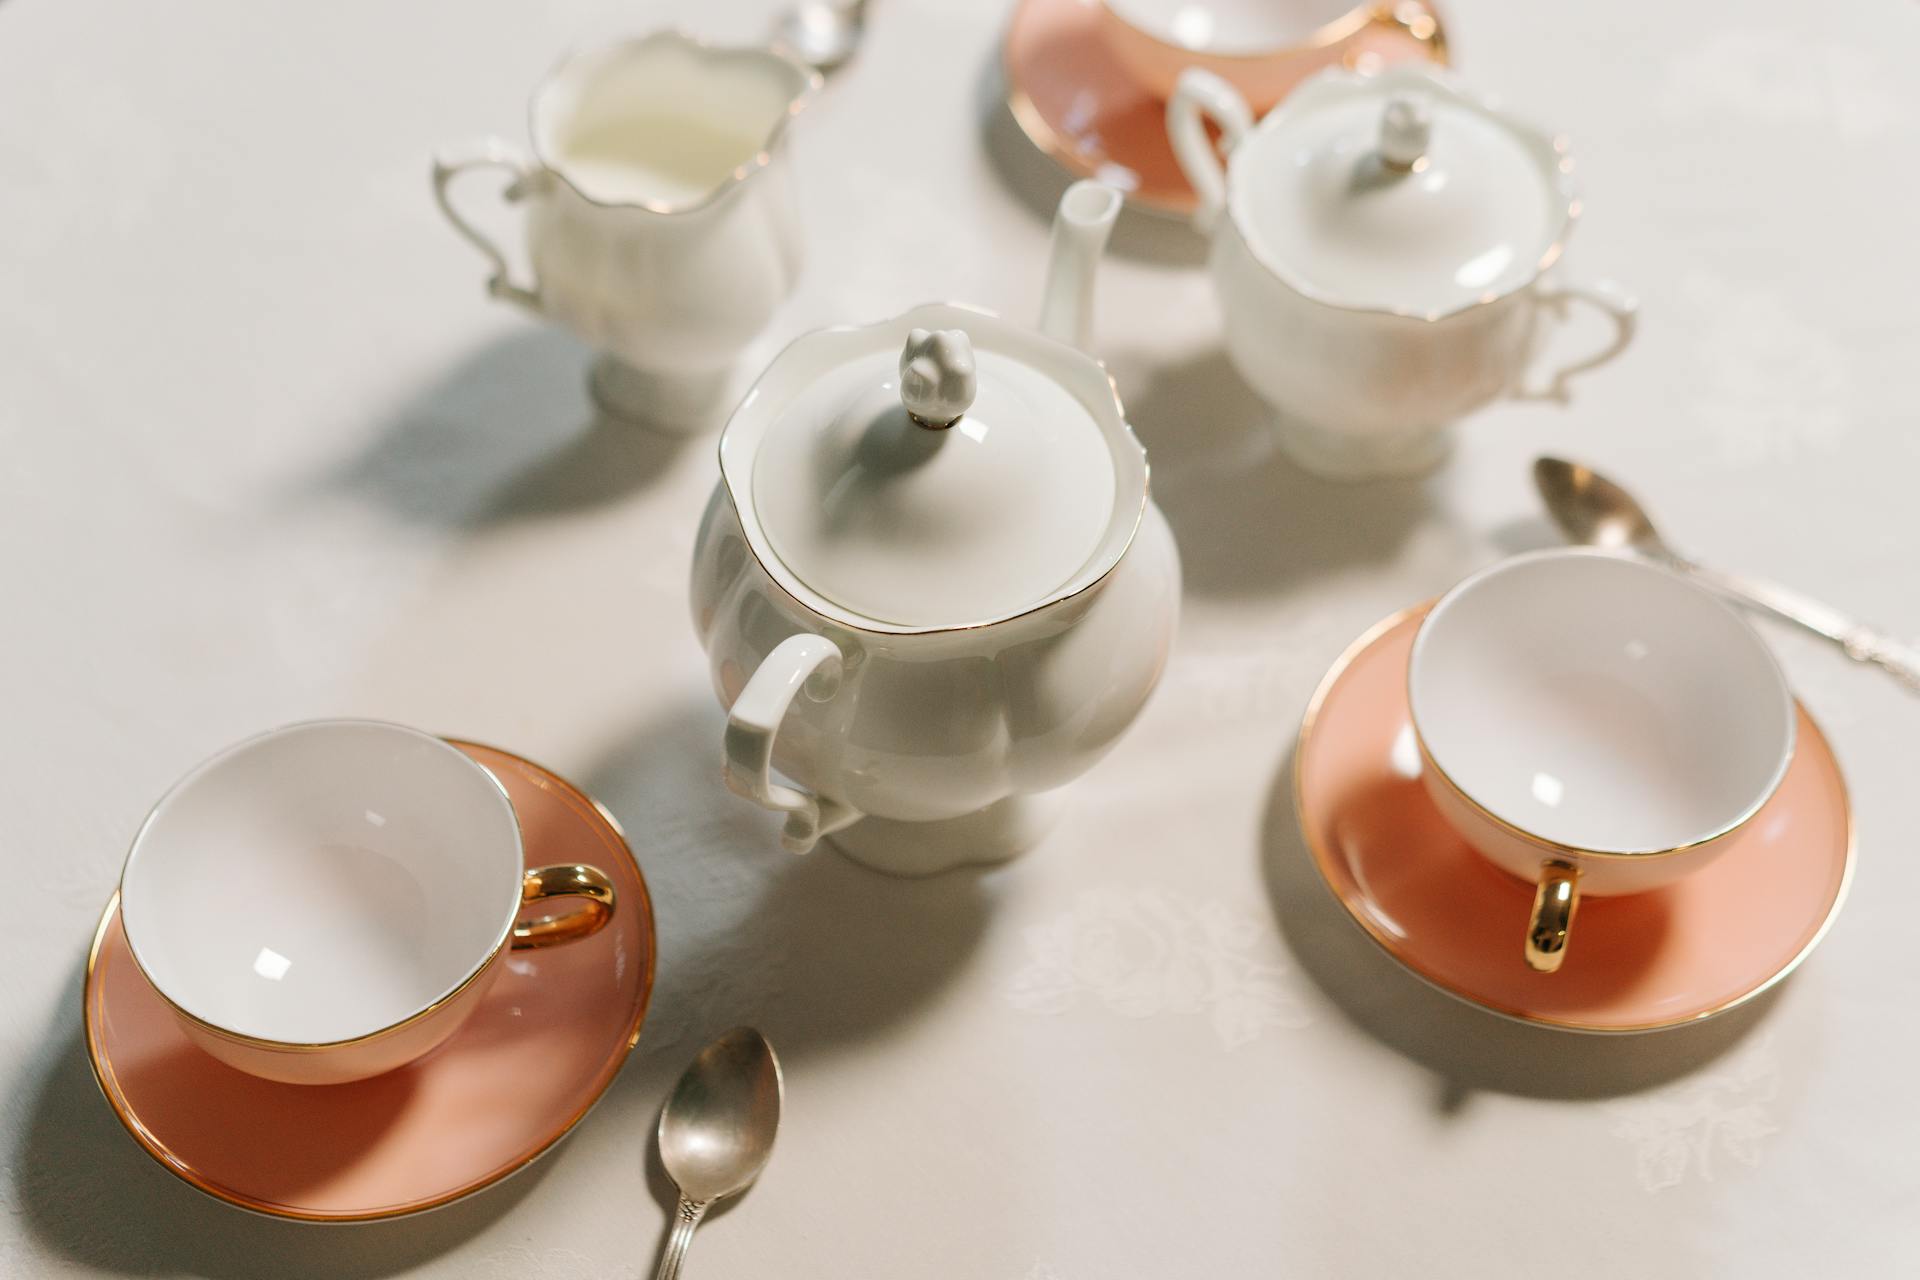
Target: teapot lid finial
(938,381)
(1406,130)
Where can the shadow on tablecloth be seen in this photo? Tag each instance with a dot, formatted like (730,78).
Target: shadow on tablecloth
(88,1193)
(822,955)
(1469,1049)
(508,434)
(1037,182)
(818,952)
(1249,522)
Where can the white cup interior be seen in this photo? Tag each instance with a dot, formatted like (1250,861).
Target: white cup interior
(1235,28)
(322,881)
(1600,702)
(661,121)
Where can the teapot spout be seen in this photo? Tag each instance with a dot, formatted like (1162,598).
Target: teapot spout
(1081,226)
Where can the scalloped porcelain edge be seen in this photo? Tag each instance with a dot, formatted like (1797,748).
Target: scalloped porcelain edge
(1551,151)
(547,108)
(808,357)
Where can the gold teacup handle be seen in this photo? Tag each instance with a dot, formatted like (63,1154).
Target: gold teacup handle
(1554,903)
(589,884)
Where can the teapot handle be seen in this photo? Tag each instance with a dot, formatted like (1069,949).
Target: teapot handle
(804,662)
(495,154)
(1199,96)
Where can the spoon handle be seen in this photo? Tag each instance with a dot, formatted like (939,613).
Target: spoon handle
(686,1217)
(1861,642)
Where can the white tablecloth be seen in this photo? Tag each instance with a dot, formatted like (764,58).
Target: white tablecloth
(266,454)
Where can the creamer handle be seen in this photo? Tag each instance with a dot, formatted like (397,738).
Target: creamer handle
(803,663)
(1200,96)
(489,153)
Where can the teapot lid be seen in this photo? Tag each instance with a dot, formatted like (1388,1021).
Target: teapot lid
(1399,192)
(937,471)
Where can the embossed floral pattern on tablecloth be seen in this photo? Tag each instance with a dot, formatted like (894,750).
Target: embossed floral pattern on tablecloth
(1690,1129)
(518,1262)
(1145,951)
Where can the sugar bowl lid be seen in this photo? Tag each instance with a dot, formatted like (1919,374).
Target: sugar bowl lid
(940,470)
(1399,191)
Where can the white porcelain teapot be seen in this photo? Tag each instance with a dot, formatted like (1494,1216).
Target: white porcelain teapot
(930,583)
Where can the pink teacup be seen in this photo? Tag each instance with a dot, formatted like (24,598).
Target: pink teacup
(1594,724)
(331,900)
(1263,48)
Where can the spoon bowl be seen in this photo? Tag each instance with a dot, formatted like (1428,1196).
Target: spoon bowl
(717,1130)
(1591,509)
(1594,511)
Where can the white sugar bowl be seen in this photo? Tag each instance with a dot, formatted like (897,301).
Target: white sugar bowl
(1380,258)
(930,583)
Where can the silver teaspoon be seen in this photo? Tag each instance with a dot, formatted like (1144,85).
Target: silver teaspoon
(822,33)
(716,1130)
(1593,510)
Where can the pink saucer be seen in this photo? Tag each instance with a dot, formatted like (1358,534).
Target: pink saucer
(1079,105)
(550,1037)
(1638,963)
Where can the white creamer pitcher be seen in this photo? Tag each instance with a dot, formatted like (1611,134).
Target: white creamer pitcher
(662,226)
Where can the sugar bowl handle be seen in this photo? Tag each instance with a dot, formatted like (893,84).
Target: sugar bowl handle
(1554,903)
(807,664)
(490,153)
(1200,96)
(1604,296)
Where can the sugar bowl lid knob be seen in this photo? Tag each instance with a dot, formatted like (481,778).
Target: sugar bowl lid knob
(1406,130)
(938,380)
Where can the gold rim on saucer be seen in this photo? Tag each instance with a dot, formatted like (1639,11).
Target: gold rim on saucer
(636,899)
(1326,863)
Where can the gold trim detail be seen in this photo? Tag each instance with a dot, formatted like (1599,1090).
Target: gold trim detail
(590,884)
(1555,848)
(1554,903)
(1324,862)
(613,836)
(1419,20)
(885,633)
(379,1033)
(1559,179)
